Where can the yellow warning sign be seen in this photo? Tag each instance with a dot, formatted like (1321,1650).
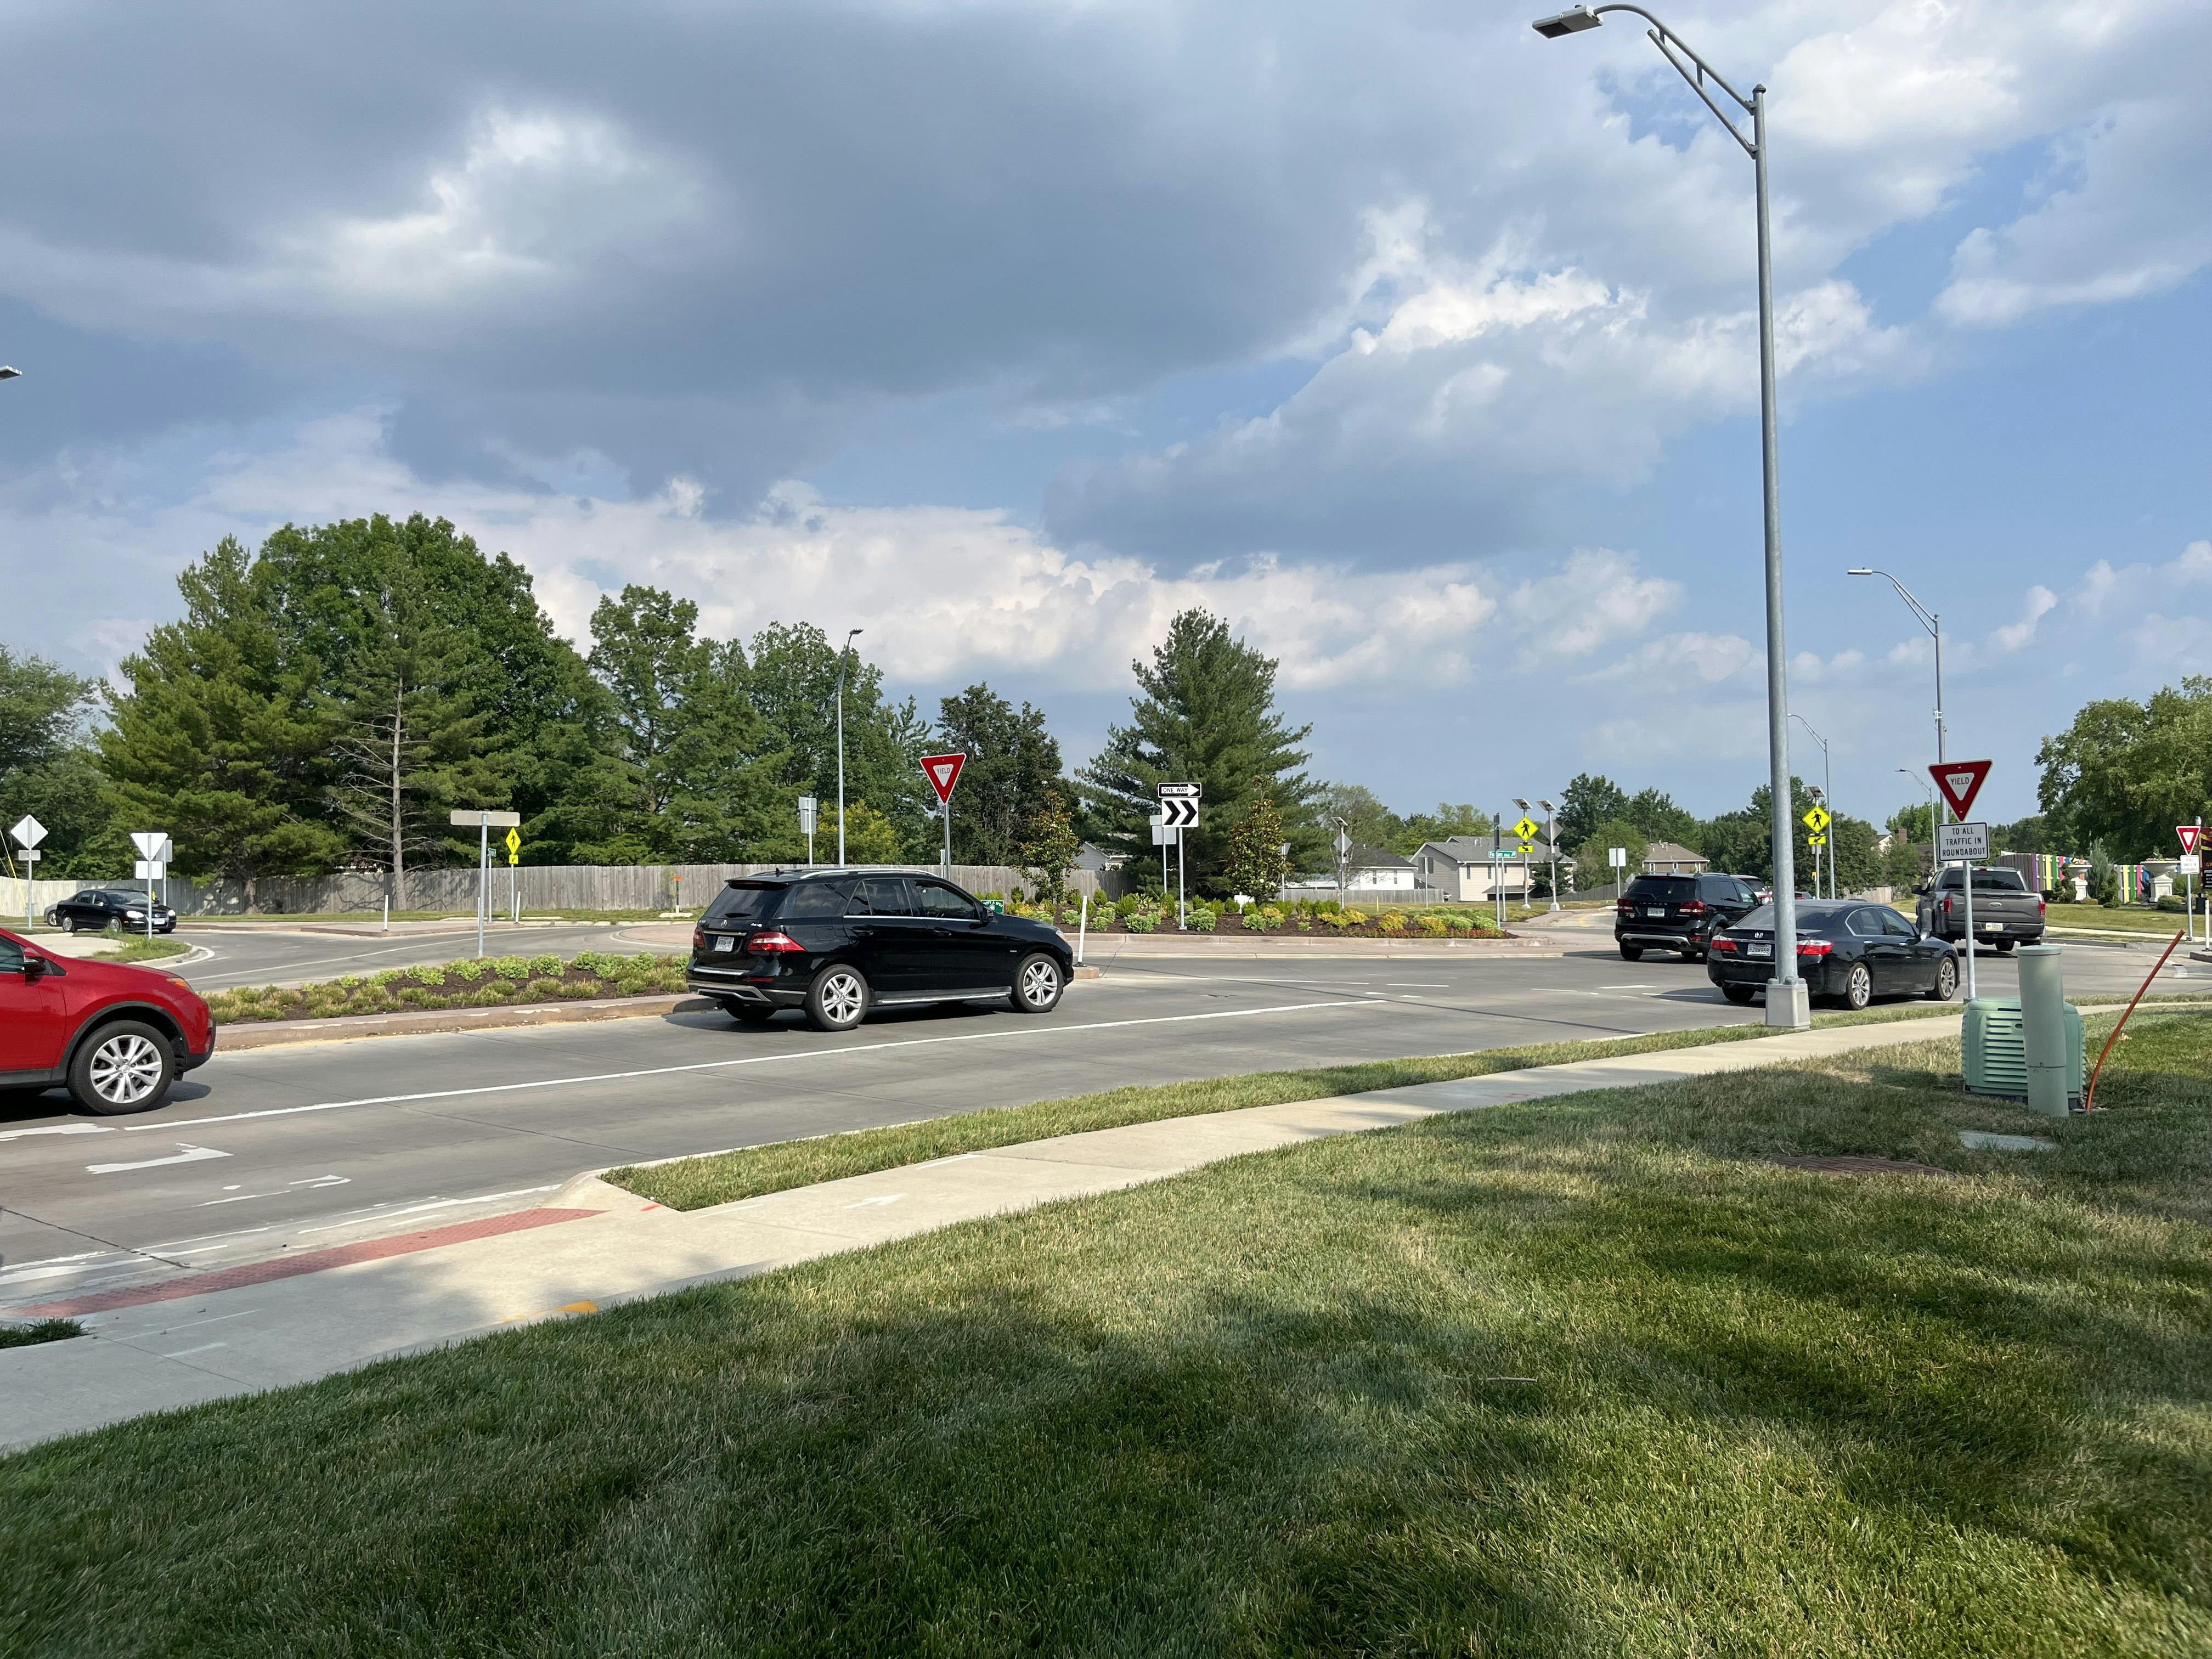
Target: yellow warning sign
(1528,846)
(1816,840)
(1527,831)
(1817,819)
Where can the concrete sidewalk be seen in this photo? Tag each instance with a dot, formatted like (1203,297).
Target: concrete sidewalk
(206,1336)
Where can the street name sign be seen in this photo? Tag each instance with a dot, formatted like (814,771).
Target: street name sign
(1960,782)
(27,831)
(1178,812)
(942,771)
(1954,841)
(2189,834)
(477,817)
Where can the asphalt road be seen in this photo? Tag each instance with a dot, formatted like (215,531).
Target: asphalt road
(272,1149)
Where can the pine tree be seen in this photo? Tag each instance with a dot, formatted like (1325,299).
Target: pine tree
(1206,714)
(220,741)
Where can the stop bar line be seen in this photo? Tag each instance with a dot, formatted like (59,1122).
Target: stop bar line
(719,1065)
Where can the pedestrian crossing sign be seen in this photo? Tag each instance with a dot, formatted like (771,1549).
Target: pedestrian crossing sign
(1817,819)
(1816,840)
(1528,846)
(514,846)
(1527,831)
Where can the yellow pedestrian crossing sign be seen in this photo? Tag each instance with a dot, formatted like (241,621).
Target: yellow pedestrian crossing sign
(514,846)
(1816,840)
(1817,819)
(1528,846)
(1526,830)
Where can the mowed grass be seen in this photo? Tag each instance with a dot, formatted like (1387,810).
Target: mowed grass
(1587,1376)
(2161,925)
(694,1183)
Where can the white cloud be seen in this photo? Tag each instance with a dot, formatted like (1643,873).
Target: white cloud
(1596,597)
(2040,603)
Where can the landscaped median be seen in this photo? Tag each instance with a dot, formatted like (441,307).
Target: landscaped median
(1608,1373)
(471,982)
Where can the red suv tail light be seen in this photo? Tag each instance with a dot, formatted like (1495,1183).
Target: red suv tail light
(698,938)
(1625,908)
(767,944)
(1694,907)
(1813,947)
(1725,944)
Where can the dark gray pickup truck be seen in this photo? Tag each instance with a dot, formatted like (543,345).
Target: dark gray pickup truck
(2006,912)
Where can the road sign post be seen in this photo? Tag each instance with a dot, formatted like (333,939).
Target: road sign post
(1179,813)
(808,814)
(1966,845)
(28,833)
(2192,866)
(483,822)
(154,851)
(942,771)
(513,879)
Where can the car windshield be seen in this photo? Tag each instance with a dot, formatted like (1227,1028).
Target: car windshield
(1663,890)
(743,901)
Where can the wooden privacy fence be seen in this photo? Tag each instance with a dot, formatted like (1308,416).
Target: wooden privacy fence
(541,886)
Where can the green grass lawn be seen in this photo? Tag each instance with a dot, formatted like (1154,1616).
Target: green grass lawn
(2128,917)
(160,948)
(1587,1376)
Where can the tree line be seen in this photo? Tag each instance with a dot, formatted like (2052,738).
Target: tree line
(326,701)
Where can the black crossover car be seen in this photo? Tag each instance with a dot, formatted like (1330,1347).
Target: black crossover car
(1847,952)
(98,907)
(840,942)
(1678,913)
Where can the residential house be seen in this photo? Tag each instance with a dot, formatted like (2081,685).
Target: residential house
(1463,867)
(1665,858)
(1368,871)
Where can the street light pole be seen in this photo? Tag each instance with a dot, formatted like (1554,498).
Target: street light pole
(1828,799)
(1552,845)
(1787,1002)
(1934,625)
(843,657)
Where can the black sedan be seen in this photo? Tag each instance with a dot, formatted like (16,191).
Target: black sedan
(99,908)
(1847,952)
(838,943)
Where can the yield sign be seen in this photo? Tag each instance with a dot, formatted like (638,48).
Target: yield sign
(2189,834)
(1960,782)
(942,771)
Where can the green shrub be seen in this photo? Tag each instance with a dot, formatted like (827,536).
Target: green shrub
(427,973)
(1459,921)
(1127,905)
(546,966)
(541,990)
(1354,918)
(1202,920)
(1433,924)
(351,981)
(1393,921)
(384,976)
(1138,922)
(469,970)
(2173,906)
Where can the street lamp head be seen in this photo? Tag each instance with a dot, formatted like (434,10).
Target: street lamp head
(8,373)
(1861,570)
(1571,22)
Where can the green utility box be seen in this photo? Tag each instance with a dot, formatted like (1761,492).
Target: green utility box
(1995,1051)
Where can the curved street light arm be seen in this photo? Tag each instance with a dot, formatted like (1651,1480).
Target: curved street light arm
(1669,43)
(1928,618)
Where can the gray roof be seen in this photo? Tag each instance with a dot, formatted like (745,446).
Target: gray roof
(1375,858)
(1475,849)
(1667,851)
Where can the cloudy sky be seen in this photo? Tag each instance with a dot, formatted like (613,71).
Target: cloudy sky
(1420,347)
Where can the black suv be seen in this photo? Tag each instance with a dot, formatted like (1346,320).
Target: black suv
(840,942)
(99,908)
(1678,913)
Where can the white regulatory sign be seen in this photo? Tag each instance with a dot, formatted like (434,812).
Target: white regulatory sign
(2192,864)
(1954,841)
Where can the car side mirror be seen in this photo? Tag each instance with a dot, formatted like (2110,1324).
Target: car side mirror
(34,967)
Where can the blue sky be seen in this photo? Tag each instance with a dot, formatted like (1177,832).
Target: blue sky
(1420,347)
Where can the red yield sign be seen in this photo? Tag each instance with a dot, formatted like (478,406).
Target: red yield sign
(2189,834)
(942,771)
(1960,782)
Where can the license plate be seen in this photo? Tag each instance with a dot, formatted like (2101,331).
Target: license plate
(1656,915)
(725,942)
(1758,951)
(1993,927)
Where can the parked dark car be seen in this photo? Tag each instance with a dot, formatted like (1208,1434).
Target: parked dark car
(99,908)
(838,943)
(1847,952)
(118,1035)
(2007,912)
(1678,913)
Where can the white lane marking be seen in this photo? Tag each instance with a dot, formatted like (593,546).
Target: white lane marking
(188,1155)
(310,1185)
(872,1203)
(1415,985)
(57,1129)
(722,1065)
(204,1347)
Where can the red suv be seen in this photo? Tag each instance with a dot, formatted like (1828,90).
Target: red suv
(118,1035)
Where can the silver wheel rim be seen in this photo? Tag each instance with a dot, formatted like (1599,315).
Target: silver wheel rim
(841,997)
(1861,988)
(124,1069)
(1946,980)
(1040,984)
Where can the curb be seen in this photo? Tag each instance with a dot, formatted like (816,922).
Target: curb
(282,1033)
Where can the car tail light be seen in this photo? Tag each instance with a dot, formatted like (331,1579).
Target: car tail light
(1694,907)
(2041,910)
(1947,907)
(698,938)
(1727,947)
(767,944)
(1813,947)
(1625,908)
